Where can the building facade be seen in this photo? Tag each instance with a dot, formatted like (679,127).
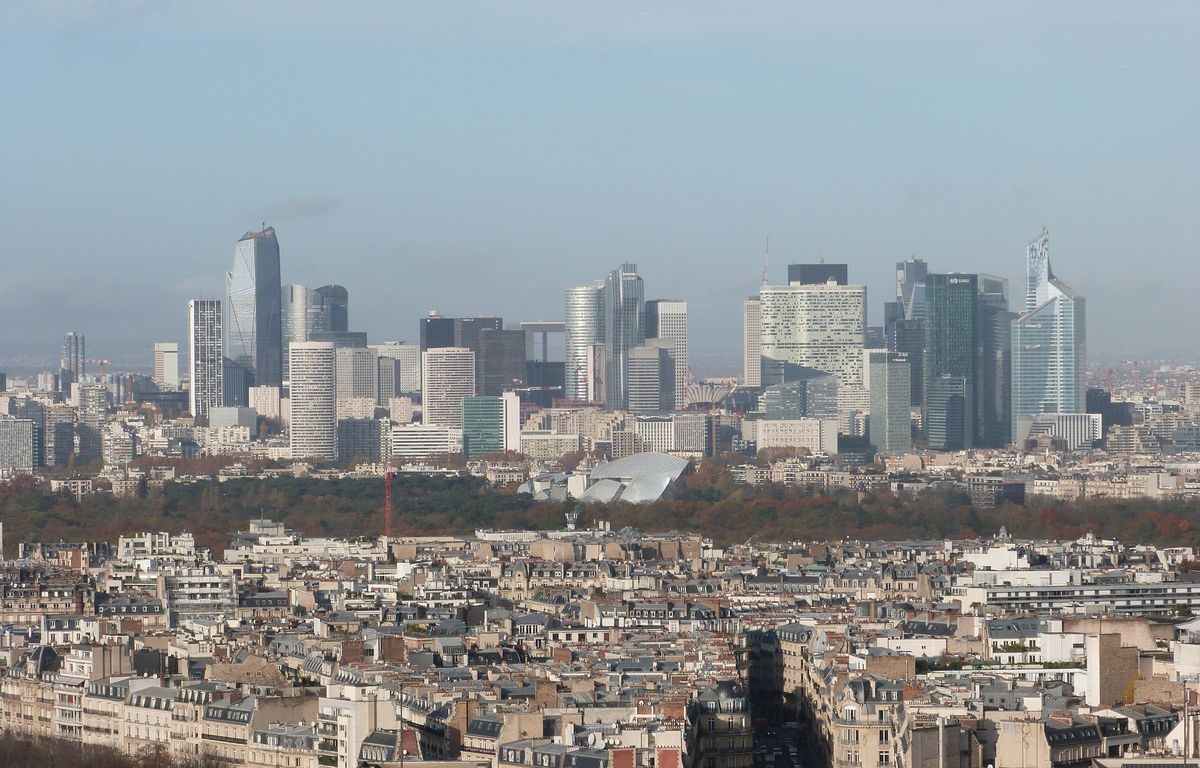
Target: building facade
(312,426)
(254,317)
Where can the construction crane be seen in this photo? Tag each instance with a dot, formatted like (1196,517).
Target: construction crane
(99,362)
(389,475)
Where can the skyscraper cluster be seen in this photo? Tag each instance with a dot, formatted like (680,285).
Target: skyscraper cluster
(624,351)
(978,374)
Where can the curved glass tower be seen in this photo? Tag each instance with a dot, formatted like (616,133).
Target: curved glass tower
(583,329)
(253,315)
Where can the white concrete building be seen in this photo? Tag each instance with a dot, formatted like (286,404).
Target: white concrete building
(313,424)
(447,376)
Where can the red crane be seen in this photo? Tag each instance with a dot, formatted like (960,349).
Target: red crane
(389,474)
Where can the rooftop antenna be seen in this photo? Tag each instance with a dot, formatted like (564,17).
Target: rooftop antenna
(766,258)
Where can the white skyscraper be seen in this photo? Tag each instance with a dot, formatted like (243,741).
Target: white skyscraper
(447,376)
(751,343)
(1049,350)
(166,365)
(667,321)
(584,328)
(206,368)
(313,424)
(815,326)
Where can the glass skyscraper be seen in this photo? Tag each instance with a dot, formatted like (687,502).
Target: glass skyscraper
(1049,353)
(583,329)
(993,396)
(625,327)
(253,312)
(951,344)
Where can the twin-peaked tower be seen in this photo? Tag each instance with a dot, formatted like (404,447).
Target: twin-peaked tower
(1049,352)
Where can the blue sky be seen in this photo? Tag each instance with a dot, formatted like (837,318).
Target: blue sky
(481,158)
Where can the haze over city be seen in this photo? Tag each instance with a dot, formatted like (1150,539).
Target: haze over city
(483,160)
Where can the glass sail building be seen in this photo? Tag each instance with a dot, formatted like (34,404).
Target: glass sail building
(1049,351)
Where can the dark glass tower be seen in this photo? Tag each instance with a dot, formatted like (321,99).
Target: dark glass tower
(951,364)
(334,303)
(993,400)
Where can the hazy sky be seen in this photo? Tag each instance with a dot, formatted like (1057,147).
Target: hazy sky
(480,158)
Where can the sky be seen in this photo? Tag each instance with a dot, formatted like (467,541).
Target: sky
(481,158)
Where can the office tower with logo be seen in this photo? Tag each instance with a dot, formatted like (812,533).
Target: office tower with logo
(891,423)
(951,360)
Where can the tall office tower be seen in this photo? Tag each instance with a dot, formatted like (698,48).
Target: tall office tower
(499,361)
(357,372)
(206,366)
(72,362)
(584,327)
(651,374)
(667,321)
(313,423)
(35,412)
(300,319)
(814,326)
(93,413)
(409,358)
(491,424)
(951,350)
(908,338)
(891,424)
(333,307)
(468,331)
(751,343)
(438,331)
(447,376)
(3,382)
(60,435)
(818,274)
(16,445)
(253,316)
(625,327)
(166,365)
(993,398)
(1049,350)
(910,287)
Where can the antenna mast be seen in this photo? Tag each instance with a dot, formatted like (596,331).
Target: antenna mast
(766,259)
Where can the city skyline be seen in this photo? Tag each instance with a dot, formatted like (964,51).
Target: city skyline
(585,119)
